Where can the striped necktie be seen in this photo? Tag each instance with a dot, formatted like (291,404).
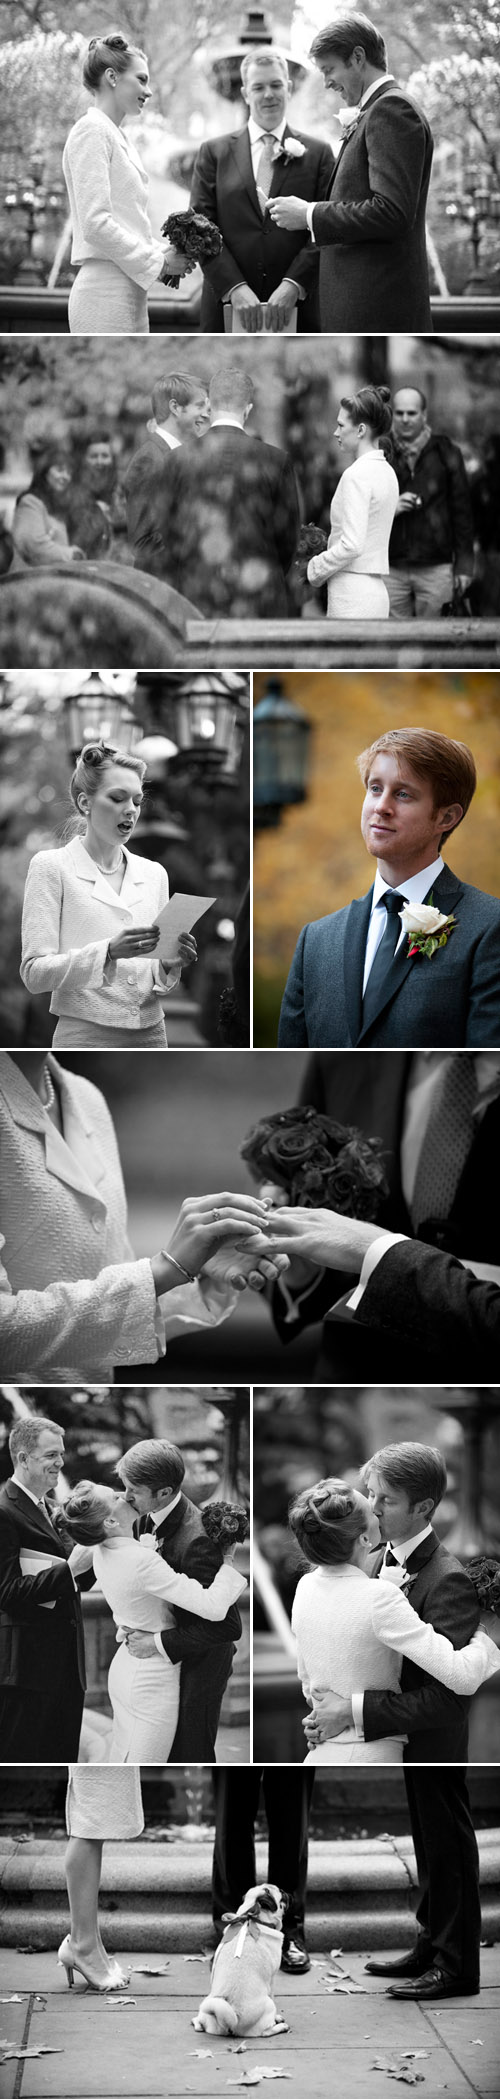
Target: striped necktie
(446,1142)
(265,168)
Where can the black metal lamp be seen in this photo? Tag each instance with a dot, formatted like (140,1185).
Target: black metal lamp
(281,745)
(100,711)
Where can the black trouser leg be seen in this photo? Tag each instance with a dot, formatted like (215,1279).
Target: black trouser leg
(287,1797)
(449,1907)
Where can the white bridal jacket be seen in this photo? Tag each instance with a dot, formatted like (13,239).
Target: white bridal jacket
(108,190)
(70,914)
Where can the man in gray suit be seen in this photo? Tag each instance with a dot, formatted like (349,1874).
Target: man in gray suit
(361,976)
(371,230)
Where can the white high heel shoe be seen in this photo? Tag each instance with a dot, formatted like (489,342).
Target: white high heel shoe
(70,1961)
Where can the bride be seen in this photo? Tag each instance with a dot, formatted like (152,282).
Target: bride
(352,1629)
(117,256)
(139,1587)
(355,563)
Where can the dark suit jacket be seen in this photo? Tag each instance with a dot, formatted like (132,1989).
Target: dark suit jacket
(435,1719)
(144,489)
(255,251)
(42,1655)
(450,1000)
(371,231)
(230,521)
(204,1649)
(416,1292)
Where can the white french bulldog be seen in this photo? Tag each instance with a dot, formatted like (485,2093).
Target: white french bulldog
(244,1968)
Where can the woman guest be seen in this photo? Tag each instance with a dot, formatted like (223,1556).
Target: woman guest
(101,1802)
(89,917)
(117,257)
(39,529)
(73,1300)
(356,559)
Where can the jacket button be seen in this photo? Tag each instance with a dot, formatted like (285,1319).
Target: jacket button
(97,1222)
(131,978)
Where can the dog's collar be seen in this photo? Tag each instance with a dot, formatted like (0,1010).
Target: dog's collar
(237,1927)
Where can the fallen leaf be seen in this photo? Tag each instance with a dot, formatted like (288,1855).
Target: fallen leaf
(119,2004)
(257,2075)
(477,2044)
(201,2053)
(346,1989)
(24,2055)
(195,1956)
(14,1999)
(415,2055)
(144,1968)
(238,2048)
(335,1952)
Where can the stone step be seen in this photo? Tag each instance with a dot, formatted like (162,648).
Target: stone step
(157,1895)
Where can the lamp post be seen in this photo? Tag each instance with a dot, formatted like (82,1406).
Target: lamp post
(281,746)
(476,206)
(474,1410)
(99,711)
(207,714)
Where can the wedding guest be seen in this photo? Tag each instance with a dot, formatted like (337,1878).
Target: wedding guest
(180,410)
(287,1799)
(263,277)
(356,561)
(431,548)
(371,229)
(39,528)
(101,1804)
(73,1301)
(90,516)
(116,255)
(358,976)
(231,519)
(42,1653)
(89,915)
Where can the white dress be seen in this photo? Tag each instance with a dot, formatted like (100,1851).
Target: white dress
(357,556)
(113,245)
(139,1585)
(351,1631)
(104,1801)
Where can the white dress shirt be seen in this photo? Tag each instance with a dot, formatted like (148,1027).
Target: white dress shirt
(369,91)
(414,889)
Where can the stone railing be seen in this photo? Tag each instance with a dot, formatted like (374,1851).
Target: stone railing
(31,309)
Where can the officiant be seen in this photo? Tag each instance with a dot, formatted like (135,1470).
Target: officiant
(89,918)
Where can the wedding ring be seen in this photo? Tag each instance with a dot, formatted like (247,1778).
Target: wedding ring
(217,1213)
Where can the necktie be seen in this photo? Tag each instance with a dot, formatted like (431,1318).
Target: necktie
(384,957)
(265,168)
(446,1143)
(391,1559)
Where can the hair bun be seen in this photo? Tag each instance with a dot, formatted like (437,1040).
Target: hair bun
(114,40)
(94,753)
(385,393)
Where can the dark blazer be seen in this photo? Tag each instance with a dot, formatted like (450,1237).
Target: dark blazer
(230,521)
(416,1291)
(442,529)
(371,231)
(42,1655)
(205,1649)
(144,490)
(255,251)
(435,1719)
(450,1000)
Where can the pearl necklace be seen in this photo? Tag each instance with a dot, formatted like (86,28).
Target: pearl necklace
(110,870)
(48,1098)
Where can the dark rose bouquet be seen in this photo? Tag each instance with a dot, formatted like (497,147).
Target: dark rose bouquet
(312,540)
(225,1522)
(193,235)
(485,1577)
(319,1163)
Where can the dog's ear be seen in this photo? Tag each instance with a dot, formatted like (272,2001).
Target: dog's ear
(267,1901)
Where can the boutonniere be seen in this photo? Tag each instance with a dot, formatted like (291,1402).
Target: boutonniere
(399,1577)
(149,1541)
(291,149)
(426,927)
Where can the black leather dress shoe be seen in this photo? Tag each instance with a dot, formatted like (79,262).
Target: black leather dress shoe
(435,1983)
(295,1958)
(409,1964)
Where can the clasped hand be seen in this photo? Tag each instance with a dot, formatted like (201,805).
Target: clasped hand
(257,314)
(329,1715)
(142,940)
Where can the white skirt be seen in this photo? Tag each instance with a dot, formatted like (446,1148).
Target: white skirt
(101,1802)
(145,1700)
(103,301)
(347,1749)
(357,597)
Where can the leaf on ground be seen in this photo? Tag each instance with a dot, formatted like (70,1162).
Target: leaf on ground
(415,2055)
(238,2048)
(195,1956)
(119,2004)
(348,1988)
(257,2075)
(394,2067)
(145,1968)
(335,1952)
(14,1999)
(24,2055)
(477,2044)
(201,2053)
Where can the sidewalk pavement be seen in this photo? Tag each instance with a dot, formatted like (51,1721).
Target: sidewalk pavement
(142,2045)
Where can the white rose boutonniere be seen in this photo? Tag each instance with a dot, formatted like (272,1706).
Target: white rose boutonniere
(426,927)
(291,149)
(398,1577)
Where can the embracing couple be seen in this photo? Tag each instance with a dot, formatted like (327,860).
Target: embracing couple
(172,1591)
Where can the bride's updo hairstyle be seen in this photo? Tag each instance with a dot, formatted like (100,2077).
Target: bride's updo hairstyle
(92,763)
(326,1521)
(84,1513)
(111,49)
(371,405)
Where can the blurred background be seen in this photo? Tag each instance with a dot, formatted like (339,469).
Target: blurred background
(447,57)
(303,1434)
(211,1426)
(192,732)
(309,856)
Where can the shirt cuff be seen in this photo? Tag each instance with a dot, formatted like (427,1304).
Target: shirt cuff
(309,220)
(357,1714)
(295,287)
(375,1254)
(159,1644)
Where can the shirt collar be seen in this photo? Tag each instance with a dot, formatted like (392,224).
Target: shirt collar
(403,1551)
(415,889)
(255,131)
(161,1515)
(382,79)
(220,421)
(168,439)
(17,1482)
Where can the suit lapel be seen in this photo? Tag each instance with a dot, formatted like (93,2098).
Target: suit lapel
(445,894)
(34,1517)
(284,175)
(382,90)
(355,936)
(241,149)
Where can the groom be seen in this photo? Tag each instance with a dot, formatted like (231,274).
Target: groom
(405,1484)
(355,976)
(152,1473)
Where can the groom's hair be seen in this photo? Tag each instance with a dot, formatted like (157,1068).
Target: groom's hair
(416,1467)
(25,1436)
(447,767)
(230,387)
(176,386)
(341,38)
(153,1463)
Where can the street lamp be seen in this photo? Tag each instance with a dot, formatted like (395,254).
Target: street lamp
(99,712)
(281,733)
(206,714)
(476,206)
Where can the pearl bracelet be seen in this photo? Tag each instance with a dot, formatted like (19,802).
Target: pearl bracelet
(177,1264)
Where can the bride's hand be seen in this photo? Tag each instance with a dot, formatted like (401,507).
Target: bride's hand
(248,1267)
(206,1223)
(322,1237)
(174,264)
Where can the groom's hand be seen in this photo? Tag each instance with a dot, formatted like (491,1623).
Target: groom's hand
(329,1717)
(290,212)
(141,1645)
